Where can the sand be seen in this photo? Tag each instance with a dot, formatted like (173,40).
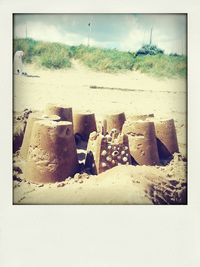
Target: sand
(166,98)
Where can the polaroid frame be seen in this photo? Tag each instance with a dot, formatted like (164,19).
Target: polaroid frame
(146,236)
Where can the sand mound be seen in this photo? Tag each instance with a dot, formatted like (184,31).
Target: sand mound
(124,184)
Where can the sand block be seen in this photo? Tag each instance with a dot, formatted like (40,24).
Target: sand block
(36,116)
(166,138)
(144,151)
(106,152)
(64,112)
(142,142)
(113,121)
(84,124)
(52,152)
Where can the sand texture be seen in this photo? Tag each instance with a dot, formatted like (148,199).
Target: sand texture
(102,93)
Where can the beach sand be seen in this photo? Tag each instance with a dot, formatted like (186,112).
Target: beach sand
(104,93)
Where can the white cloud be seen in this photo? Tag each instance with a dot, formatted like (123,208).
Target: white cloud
(124,32)
(40,31)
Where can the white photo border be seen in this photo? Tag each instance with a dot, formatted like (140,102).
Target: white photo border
(89,235)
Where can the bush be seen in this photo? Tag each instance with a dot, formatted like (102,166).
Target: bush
(40,48)
(149,49)
(54,56)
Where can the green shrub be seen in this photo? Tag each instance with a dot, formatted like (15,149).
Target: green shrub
(149,49)
(40,48)
(54,56)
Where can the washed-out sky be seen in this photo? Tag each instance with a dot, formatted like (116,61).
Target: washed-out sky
(127,32)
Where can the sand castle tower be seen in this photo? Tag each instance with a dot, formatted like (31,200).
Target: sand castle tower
(142,142)
(28,131)
(52,152)
(114,121)
(166,138)
(106,152)
(64,112)
(84,123)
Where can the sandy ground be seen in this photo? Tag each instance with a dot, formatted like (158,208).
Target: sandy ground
(165,98)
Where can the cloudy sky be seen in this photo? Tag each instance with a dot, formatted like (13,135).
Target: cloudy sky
(122,31)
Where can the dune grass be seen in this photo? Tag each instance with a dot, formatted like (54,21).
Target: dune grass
(162,65)
(46,54)
(52,55)
(108,60)
(58,56)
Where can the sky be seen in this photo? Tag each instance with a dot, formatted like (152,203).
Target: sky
(126,32)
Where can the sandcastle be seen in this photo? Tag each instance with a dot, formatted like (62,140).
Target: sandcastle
(166,138)
(106,152)
(142,141)
(27,135)
(64,112)
(84,124)
(113,121)
(52,152)
(48,146)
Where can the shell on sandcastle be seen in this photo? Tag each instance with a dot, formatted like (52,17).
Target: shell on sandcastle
(106,152)
(52,154)
(166,138)
(84,123)
(64,112)
(142,142)
(36,116)
(114,121)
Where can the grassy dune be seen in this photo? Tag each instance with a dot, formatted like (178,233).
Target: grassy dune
(162,65)
(57,56)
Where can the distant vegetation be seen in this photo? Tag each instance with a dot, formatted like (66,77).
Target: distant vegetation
(149,59)
(49,55)
(149,49)
(162,65)
(109,60)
